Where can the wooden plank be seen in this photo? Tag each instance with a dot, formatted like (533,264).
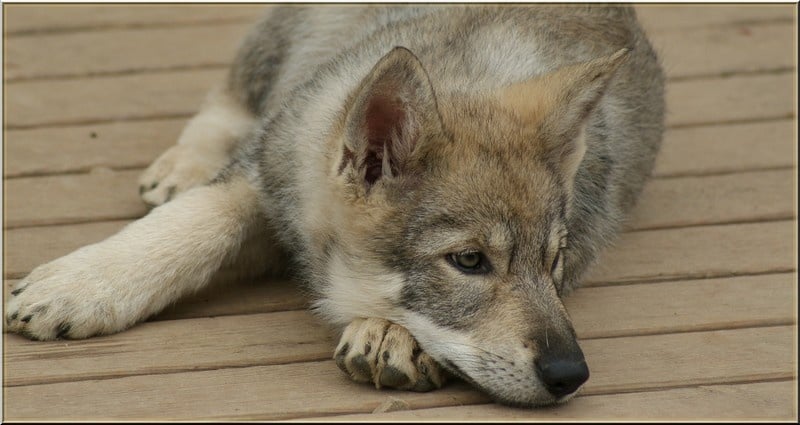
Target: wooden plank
(119,145)
(129,97)
(36,103)
(122,51)
(65,199)
(226,298)
(730,198)
(695,52)
(253,393)
(727,148)
(296,336)
(122,145)
(697,252)
(740,98)
(27,248)
(113,195)
(284,391)
(264,295)
(773,401)
(662,17)
(758,300)
(727,50)
(31,18)
(229,341)
(683,306)
(663,361)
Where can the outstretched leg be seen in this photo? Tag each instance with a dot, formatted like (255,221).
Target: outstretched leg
(203,149)
(108,286)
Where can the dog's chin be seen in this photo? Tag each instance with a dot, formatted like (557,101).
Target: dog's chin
(518,400)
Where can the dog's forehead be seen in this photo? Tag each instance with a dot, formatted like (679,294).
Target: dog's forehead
(484,125)
(484,185)
(497,213)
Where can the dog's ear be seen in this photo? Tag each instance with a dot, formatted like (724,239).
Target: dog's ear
(390,114)
(555,106)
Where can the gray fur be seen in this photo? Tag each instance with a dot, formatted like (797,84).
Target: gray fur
(623,135)
(301,68)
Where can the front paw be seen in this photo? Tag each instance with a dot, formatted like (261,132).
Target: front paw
(61,300)
(177,170)
(378,351)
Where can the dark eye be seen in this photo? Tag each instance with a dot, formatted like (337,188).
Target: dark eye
(470,262)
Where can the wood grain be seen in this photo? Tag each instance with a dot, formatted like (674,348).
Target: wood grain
(730,198)
(715,149)
(690,316)
(117,145)
(121,51)
(734,99)
(693,52)
(697,252)
(721,51)
(130,97)
(33,18)
(675,17)
(28,248)
(666,254)
(287,391)
(227,298)
(236,340)
(689,151)
(738,402)
(676,202)
(102,195)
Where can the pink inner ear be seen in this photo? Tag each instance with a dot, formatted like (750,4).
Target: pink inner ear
(384,118)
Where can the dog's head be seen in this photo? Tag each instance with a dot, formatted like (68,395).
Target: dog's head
(453,223)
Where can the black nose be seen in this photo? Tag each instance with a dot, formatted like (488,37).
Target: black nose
(562,376)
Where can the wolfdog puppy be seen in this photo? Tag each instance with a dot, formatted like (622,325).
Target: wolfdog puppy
(438,176)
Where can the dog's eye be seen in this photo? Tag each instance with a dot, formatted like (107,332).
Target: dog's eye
(470,262)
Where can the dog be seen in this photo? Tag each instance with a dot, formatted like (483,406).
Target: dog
(437,176)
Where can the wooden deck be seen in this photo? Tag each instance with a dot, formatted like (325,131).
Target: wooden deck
(692,315)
